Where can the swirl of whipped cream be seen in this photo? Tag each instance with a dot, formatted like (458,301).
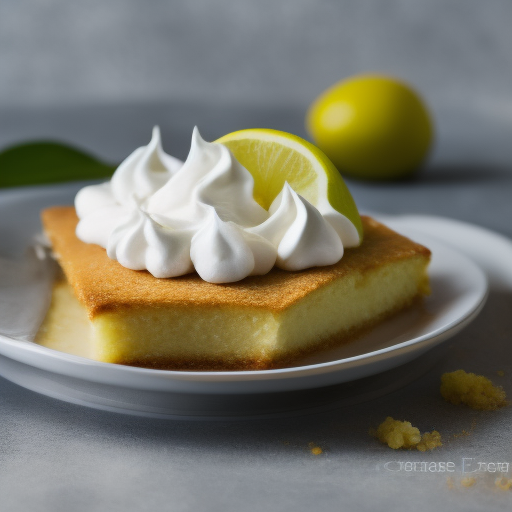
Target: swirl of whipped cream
(299,231)
(222,252)
(101,208)
(171,218)
(140,243)
(211,176)
(146,170)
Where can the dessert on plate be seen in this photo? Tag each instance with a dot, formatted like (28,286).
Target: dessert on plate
(241,258)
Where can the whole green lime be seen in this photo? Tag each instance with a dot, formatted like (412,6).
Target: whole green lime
(371,127)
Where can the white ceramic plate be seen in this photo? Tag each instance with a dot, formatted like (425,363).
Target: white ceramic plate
(459,289)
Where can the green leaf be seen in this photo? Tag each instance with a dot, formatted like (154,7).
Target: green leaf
(36,163)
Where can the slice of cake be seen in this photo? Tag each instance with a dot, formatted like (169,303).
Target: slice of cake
(265,321)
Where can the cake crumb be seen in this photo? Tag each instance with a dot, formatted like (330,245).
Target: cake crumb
(505,484)
(315,450)
(398,434)
(468,481)
(501,373)
(401,434)
(476,391)
(429,441)
(466,432)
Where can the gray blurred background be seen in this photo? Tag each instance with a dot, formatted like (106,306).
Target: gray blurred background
(56,52)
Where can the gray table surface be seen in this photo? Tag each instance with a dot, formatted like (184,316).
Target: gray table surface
(55,456)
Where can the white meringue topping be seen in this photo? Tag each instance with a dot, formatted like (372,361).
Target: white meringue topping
(146,170)
(172,218)
(211,176)
(140,243)
(302,236)
(222,253)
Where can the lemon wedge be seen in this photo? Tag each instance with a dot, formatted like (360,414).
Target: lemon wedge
(274,158)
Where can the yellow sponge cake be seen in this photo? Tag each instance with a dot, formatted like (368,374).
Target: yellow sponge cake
(185,323)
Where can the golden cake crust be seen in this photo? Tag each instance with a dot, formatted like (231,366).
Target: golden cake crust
(102,284)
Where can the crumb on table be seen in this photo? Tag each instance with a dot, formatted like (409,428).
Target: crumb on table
(429,441)
(505,484)
(401,434)
(315,450)
(468,481)
(476,391)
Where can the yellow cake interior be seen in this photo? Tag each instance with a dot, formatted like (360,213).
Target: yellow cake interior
(129,317)
(66,327)
(226,336)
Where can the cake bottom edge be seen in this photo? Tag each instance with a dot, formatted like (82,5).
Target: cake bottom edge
(289,360)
